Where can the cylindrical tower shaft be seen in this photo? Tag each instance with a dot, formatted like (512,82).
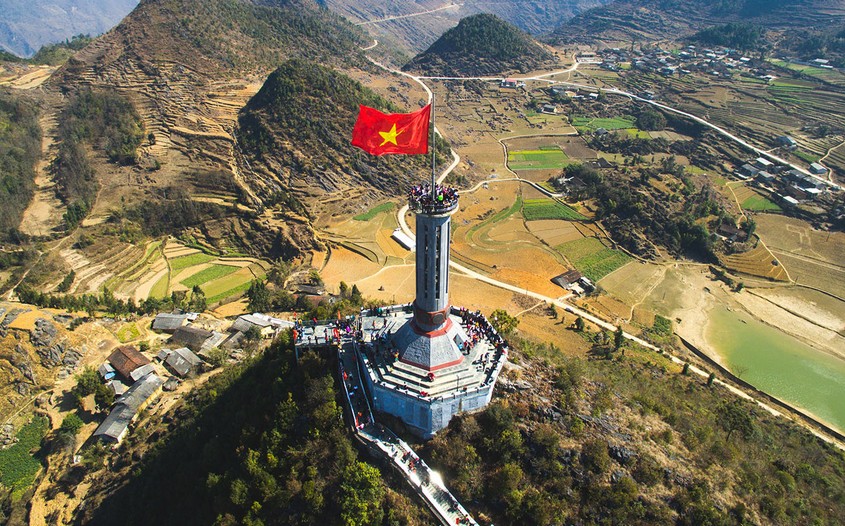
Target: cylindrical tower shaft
(433,236)
(434,211)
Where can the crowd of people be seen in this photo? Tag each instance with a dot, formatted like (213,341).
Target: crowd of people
(332,331)
(477,326)
(421,198)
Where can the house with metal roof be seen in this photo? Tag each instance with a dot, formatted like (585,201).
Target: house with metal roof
(141,372)
(126,409)
(169,322)
(106,371)
(190,337)
(183,362)
(126,359)
(248,321)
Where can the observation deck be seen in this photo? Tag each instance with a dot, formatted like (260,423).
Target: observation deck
(443,201)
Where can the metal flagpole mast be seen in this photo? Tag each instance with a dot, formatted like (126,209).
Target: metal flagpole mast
(433,156)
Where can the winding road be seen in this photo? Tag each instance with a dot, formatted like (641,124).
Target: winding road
(559,302)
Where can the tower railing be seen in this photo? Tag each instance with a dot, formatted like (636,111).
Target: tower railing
(421,199)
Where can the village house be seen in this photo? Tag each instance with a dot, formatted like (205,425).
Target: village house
(106,371)
(182,362)
(817,169)
(126,359)
(169,322)
(247,321)
(190,337)
(126,409)
(787,142)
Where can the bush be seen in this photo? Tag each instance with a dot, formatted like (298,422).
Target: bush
(71,424)
(595,457)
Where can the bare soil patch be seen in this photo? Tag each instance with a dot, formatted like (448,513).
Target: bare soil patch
(554,231)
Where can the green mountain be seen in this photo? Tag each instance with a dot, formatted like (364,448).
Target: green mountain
(481,45)
(644,20)
(188,67)
(297,130)
(229,36)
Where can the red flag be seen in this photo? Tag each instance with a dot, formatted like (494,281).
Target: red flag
(385,133)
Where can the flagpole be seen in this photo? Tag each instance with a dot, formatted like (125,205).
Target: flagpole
(433,156)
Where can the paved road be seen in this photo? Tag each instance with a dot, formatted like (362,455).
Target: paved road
(399,17)
(559,302)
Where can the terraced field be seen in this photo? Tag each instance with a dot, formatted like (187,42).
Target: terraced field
(544,158)
(756,262)
(592,258)
(157,269)
(540,209)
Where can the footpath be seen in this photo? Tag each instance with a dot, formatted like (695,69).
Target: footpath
(382,442)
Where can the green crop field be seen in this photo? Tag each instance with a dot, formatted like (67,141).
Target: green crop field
(159,290)
(807,156)
(613,123)
(18,467)
(210,274)
(637,133)
(760,204)
(236,291)
(537,209)
(181,263)
(592,258)
(543,159)
(233,284)
(371,213)
(128,332)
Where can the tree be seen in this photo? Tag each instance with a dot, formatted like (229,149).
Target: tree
(735,416)
(618,338)
(198,301)
(103,396)
(750,227)
(178,298)
(259,296)
(279,272)
(253,334)
(344,291)
(503,322)
(217,356)
(87,382)
(71,424)
(315,278)
(594,456)
(361,495)
(651,120)
(356,297)
(579,324)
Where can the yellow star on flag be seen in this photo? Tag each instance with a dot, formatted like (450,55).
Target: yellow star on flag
(390,136)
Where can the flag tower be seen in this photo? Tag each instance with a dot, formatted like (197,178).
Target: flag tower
(429,366)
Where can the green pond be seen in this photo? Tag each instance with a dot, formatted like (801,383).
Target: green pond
(780,365)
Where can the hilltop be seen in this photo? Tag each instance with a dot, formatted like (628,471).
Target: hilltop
(187,67)
(625,440)
(296,133)
(481,44)
(224,36)
(644,20)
